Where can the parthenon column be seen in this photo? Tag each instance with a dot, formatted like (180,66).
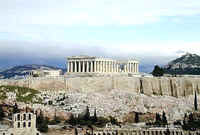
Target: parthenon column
(99,66)
(75,70)
(132,67)
(79,66)
(71,66)
(95,66)
(91,66)
(114,67)
(68,66)
(111,66)
(135,67)
(106,66)
(117,67)
(103,66)
(129,69)
(83,66)
(87,67)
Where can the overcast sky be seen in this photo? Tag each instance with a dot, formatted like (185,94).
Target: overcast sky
(47,31)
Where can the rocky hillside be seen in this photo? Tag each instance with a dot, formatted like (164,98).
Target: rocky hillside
(186,64)
(20,71)
(120,104)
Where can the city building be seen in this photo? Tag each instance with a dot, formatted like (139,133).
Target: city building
(89,64)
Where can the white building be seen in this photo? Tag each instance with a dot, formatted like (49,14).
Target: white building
(45,73)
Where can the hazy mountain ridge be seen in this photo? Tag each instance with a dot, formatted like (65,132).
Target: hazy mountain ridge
(23,70)
(186,64)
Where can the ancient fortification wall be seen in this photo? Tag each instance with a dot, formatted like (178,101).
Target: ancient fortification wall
(178,86)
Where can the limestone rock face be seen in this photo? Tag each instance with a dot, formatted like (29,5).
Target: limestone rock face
(50,113)
(169,86)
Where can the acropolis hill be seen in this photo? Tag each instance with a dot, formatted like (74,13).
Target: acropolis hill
(89,74)
(114,88)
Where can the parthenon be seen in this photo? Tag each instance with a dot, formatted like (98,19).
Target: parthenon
(89,64)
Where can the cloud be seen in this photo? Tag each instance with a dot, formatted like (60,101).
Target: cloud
(55,53)
(51,53)
(93,13)
(34,31)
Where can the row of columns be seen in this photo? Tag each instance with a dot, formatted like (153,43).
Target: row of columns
(135,132)
(92,66)
(161,132)
(100,66)
(131,67)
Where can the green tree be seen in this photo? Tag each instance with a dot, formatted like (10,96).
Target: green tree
(36,75)
(95,116)
(2,115)
(158,71)
(87,115)
(164,118)
(191,117)
(55,120)
(113,121)
(16,109)
(136,117)
(184,119)
(158,119)
(42,123)
(71,121)
(75,131)
(195,101)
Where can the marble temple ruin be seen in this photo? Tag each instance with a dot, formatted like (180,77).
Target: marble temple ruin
(89,64)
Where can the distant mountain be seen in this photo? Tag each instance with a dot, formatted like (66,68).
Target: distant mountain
(186,64)
(20,71)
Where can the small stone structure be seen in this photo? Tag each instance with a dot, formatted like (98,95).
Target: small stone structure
(45,73)
(88,64)
(22,124)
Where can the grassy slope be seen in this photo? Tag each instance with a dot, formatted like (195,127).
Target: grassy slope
(23,94)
